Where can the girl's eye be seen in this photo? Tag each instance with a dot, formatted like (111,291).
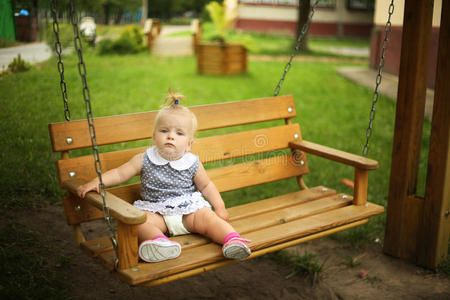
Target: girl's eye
(163,130)
(180,133)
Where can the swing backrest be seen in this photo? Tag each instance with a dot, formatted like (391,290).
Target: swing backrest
(216,146)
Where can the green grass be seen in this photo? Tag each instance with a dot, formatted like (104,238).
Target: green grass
(278,44)
(331,110)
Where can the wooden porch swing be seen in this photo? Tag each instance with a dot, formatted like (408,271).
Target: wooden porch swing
(273,153)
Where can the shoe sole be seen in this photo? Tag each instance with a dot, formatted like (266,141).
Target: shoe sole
(156,252)
(237,252)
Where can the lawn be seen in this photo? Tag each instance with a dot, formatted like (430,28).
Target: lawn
(331,110)
(276,44)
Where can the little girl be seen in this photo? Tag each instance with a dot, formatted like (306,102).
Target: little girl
(174,183)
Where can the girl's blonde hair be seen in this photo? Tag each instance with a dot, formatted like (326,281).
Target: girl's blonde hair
(172,105)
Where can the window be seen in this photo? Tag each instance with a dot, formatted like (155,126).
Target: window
(365,5)
(325,3)
(273,2)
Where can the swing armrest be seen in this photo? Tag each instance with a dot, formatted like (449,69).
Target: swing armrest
(357,161)
(118,208)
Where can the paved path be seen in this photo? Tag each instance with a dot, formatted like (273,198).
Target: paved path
(389,84)
(33,53)
(165,45)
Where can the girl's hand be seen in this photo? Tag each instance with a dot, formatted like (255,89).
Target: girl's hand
(222,213)
(82,190)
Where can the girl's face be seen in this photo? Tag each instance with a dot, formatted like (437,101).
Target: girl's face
(173,135)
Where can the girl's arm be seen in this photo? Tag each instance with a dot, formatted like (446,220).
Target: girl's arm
(210,192)
(114,176)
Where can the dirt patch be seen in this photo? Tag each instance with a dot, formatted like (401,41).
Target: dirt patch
(374,276)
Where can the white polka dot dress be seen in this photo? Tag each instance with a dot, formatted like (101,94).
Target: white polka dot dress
(168,187)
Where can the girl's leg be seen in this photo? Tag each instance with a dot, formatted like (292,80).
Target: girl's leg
(205,222)
(153,226)
(154,245)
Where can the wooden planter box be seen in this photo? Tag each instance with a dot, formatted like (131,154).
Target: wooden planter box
(221,59)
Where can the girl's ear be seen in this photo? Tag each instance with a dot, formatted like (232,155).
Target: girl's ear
(191,142)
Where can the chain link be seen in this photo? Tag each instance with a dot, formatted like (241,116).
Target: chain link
(90,119)
(387,30)
(296,48)
(58,50)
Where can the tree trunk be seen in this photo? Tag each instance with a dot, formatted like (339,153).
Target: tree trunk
(144,11)
(106,9)
(118,17)
(304,6)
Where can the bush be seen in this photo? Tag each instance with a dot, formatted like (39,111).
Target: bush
(135,34)
(16,66)
(65,36)
(130,41)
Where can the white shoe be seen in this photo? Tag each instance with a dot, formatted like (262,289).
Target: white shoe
(236,248)
(159,249)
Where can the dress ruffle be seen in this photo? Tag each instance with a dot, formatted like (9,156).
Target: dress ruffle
(181,205)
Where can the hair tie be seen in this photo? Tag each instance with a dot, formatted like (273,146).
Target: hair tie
(176,102)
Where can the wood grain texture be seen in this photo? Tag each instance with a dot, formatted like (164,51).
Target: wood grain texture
(118,208)
(209,149)
(139,126)
(417,27)
(336,155)
(435,229)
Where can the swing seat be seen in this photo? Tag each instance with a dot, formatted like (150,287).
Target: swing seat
(248,157)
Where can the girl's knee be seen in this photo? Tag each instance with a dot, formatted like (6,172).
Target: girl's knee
(154,219)
(198,221)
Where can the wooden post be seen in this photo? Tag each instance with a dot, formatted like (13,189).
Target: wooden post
(433,245)
(401,227)
(361,185)
(127,241)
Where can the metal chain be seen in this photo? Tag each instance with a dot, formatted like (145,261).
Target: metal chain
(58,49)
(296,48)
(90,119)
(387,29)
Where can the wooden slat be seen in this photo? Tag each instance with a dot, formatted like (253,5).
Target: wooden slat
(249,174)
(288,214)
(255,210)
(210,253)
(107,259)
(277,247)
(130,127)
(266,208)
(209,149)
(278,202)
(257,172)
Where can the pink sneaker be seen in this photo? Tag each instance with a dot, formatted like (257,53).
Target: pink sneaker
(159,249)
(236,248)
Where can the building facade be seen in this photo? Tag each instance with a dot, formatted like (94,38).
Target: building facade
(333,18)
(392,58)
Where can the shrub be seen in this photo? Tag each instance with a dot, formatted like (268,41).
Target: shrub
(65,36)
(131,40)
(135,35)
(16,66)
(105,47)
